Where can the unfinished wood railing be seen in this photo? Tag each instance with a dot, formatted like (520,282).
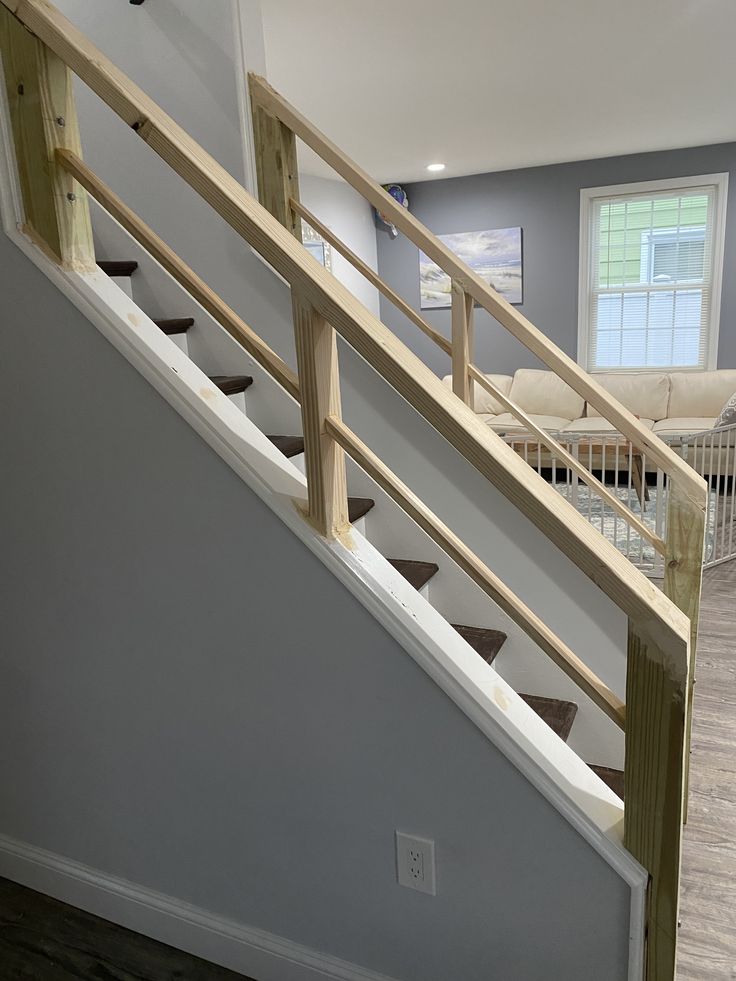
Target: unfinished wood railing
(38,47)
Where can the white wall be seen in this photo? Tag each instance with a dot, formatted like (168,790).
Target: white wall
(350,217)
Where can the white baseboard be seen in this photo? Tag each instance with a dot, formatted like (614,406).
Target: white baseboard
(248,950)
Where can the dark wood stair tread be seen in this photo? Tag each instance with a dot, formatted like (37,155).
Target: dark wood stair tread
(289,445)
(358,507)
(556,712)
(485,641)
(118,267)
(610,776)
(231,384)
(178,325)
(417,573)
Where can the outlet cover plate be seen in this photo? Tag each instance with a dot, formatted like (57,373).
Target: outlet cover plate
(415,863)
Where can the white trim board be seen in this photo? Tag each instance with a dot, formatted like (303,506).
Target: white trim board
(247,949)
(588,195)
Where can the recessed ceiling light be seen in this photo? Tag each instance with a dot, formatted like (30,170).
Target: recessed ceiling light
(434,168)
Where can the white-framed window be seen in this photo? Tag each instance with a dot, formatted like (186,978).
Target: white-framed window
(651,265)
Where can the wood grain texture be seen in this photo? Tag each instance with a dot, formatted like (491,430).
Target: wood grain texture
(319,383)
(43,117)
(462,343)
(372,277)
(683,578)
(182,273)
(42,939)
(521,328)
(479,572)
(557,519)
(656,712)
(707,948)
(276,167)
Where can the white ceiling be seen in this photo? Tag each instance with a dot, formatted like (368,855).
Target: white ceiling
(483,85)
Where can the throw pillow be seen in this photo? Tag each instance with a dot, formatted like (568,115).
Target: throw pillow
(727,415)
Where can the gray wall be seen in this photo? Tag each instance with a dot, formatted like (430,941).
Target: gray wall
(545,202)
(191,701)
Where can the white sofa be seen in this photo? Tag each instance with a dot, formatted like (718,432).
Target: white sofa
(671,404)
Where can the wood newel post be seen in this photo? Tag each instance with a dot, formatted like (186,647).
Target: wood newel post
(683,580)
(319,383)
(656,714)
(462,343)
(276,165)
(43,118)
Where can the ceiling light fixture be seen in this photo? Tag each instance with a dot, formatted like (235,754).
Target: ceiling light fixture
(435,168)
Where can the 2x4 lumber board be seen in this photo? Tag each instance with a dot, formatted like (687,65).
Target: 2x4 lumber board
(276,168)
(319,380)
(683,582)
(462,343)
(656,696)
(43,117)
(504,313)
(182,273)
(372,277)
(479,572)
(484,450)
(559,452)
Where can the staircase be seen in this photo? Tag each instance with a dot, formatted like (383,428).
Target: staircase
(558,714)
(352,496)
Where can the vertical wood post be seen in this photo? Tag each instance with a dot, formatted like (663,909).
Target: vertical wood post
(319,385)
(276,166)
(683,580)
(462,343)
(656,713)
(43,118)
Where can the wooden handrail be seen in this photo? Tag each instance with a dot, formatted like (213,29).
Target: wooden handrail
(370,275)
(518,325)
(479,572)
(181,272)
(476,375)
(555,447)
(458,424)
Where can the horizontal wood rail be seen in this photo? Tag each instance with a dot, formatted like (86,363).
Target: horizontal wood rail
(569,460)
(372,277)
(482,448)
(518,325)
(479,572)
(181,272)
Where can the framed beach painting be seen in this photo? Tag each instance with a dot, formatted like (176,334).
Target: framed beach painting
(495,255)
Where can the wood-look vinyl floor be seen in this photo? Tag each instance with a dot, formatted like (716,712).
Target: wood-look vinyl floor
(707,950)
(44,940)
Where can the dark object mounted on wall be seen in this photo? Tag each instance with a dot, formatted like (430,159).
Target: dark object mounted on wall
(136,3)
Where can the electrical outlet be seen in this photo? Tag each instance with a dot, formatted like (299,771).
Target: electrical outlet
(415,863)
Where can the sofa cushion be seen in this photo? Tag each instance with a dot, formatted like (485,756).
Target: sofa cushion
(508,423)
(685,424)
(597,424)
(483,401)
(645,393)
(696,394)
(544,393)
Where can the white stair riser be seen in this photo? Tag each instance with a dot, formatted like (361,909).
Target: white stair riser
(125,283)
